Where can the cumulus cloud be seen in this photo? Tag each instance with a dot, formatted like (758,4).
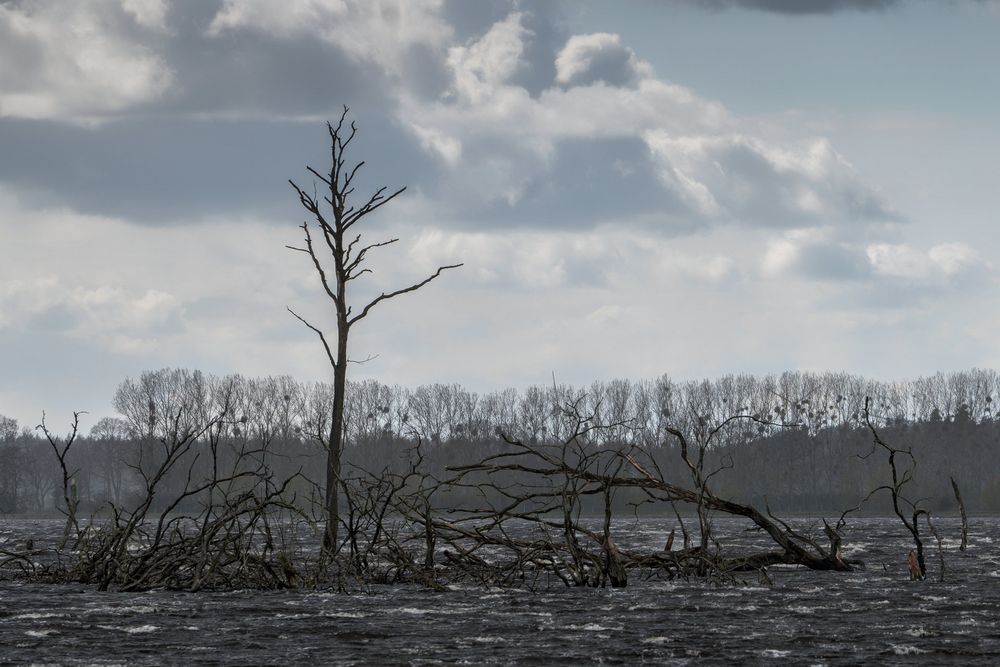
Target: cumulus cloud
(526,260)
(605,259)
(944,262)
(486,63)
(827,254)
(79,61)
(599,57)
(815,254)
(147,13)
(384,32)
(511,140)
(674,160)
(127,320)
(101,276)
(744,178)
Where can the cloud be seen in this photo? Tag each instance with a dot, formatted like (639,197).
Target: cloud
(506,119)
(744,178)
(607,216)
(672,159)
(99,276)
(126,320)
(588,59)
(815,254)
(948,262)
(526,260)
(150,14)
(828,254)
(79,61)
(394,35)
(486,63)
(181,169)
(799,6)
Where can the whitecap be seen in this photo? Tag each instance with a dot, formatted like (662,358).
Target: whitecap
(903,649)
(41,633)
(921,632)
(775,653)
(801,609)
(137,609)
(345,614)
(141,629)
(593,627)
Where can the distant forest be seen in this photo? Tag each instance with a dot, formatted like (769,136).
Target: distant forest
(802,447)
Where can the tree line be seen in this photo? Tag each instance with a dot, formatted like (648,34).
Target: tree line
(800,451)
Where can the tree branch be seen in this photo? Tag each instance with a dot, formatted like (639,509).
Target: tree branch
(412,288)
(326,346)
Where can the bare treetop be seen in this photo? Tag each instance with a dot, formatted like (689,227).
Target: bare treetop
(344,247)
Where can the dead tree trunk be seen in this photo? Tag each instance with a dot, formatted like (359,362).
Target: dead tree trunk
(429,537)
(901,475)
(69,490)
(334,215)
(614,570)
(965,517)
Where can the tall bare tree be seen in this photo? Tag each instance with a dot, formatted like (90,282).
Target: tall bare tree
(335,217)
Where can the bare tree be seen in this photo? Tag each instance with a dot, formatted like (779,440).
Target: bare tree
(61,450)
(902,465)
(335,216)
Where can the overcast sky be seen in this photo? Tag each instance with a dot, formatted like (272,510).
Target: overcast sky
(692,187)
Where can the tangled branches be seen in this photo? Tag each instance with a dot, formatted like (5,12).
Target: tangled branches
(531,518)
(529,513)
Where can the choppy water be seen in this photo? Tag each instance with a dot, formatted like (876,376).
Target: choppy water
(873,617)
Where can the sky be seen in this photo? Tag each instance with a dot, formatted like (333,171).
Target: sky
(689,187)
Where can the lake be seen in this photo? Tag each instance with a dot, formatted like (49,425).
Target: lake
(876,616)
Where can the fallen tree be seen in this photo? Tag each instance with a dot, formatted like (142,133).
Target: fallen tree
(552,479)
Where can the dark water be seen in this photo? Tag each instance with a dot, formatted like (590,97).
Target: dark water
(873,617)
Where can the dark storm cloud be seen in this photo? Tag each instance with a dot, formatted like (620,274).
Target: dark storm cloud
(154,170)
(229,131)
(252,71)
(799,6)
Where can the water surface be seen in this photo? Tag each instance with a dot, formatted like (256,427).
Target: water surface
(876,616)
